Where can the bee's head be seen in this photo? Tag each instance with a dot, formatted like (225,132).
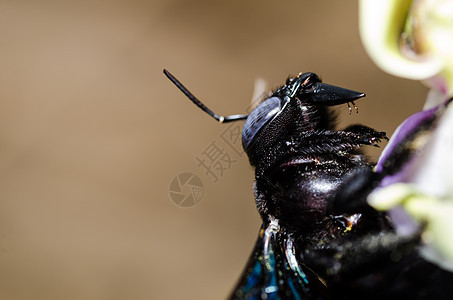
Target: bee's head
(294,107)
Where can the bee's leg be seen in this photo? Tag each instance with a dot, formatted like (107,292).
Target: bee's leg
(367,134)
(354,190)
(375,253)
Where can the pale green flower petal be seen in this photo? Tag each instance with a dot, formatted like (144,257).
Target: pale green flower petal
(437,215)
(391,196)
(381,26)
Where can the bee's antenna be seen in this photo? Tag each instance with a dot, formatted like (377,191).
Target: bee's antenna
(198,103)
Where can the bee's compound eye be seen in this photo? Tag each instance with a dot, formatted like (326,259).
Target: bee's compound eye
(258,118)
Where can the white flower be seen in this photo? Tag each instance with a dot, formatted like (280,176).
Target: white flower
(414,40)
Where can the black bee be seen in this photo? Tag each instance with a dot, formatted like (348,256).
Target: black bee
(319,238)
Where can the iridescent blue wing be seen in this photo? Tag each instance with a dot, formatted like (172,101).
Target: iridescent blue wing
(273,271)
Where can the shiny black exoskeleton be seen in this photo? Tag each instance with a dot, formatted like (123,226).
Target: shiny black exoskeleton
(308,246)
(299,158)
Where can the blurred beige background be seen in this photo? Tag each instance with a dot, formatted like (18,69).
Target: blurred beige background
(92,133)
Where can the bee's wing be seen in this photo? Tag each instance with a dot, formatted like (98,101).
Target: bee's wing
(272,272)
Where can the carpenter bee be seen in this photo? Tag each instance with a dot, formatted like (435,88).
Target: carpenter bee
(319,238)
